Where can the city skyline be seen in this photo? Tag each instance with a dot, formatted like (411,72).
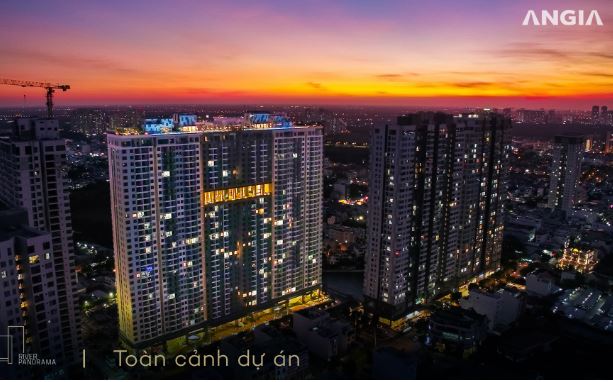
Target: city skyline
(221,241)
(323,190)
(313,52)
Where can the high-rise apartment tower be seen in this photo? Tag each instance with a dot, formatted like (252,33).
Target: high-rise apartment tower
(565,171)
(32,177)
(212,221)
(435,206)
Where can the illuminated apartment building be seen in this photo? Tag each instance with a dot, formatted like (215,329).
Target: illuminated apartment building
(436,193)
(483,144)
(565,172)
(212,222)
(30,315)
(32,167)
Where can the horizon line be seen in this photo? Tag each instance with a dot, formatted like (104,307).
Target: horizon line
(290,104)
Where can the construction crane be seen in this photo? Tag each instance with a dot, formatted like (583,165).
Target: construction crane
(33,84)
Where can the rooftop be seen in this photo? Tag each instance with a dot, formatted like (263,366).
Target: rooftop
(312,313)
(589,305)
(183,123)
(457,317)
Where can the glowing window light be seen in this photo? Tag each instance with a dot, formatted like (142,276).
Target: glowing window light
(236,193)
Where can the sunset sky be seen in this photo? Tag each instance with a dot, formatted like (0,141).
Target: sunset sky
(417,53)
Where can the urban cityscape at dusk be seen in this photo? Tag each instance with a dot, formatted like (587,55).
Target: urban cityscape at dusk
(306,190)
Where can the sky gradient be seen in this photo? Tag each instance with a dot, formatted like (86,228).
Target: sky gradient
(414,53)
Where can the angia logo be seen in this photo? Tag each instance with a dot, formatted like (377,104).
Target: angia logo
(567,18)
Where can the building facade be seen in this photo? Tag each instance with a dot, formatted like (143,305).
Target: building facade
(32,177)
(213,222)
(30,314)
(565,172)
(436,193)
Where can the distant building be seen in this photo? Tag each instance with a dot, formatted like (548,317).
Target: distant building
(532,116)
(502,308)
(588,143)
(565,172)
(456,330)
(436,193)
(324,336)
(609,143)
(541,283)
(606,116)
(595,114)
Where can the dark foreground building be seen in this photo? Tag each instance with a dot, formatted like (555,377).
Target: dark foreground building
(32,177)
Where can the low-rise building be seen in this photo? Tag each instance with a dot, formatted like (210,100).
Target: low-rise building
(324,336)
(589,305)
(522,227)
(541,283)
(582,260)
(522,232)
(501,308)
(341,234)
(456,330)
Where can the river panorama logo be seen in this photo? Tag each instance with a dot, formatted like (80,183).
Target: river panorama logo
(566,17)
(13,349)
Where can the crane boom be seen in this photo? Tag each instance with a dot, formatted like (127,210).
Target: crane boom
(34,84)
